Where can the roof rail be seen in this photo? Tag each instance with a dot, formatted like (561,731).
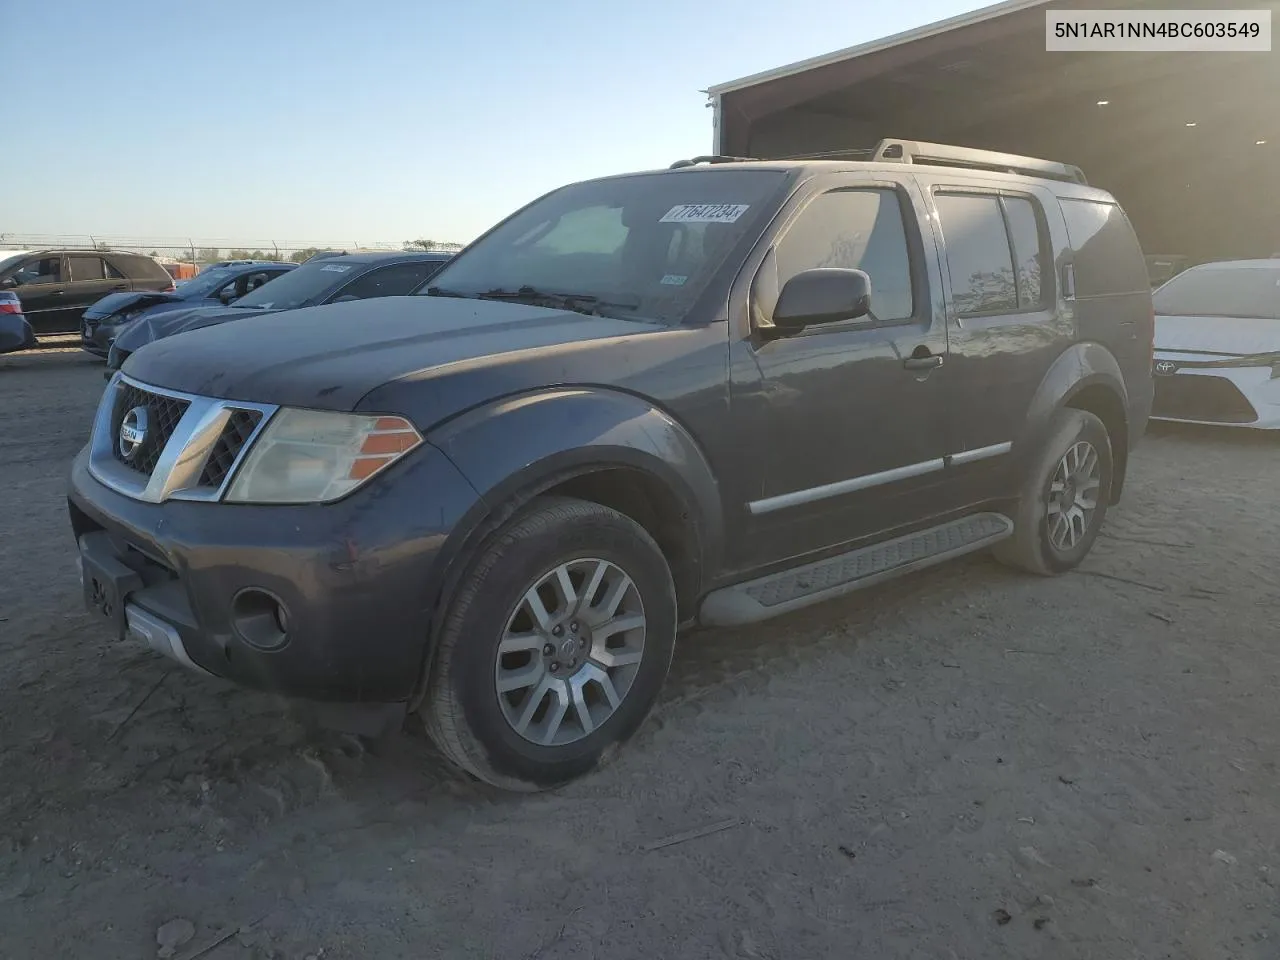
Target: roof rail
(941,154)
(708,159)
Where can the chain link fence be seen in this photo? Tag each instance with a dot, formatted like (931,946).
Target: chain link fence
(202,250)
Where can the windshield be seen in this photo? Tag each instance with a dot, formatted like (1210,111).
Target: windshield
(301,285)
(10,262)
(1221,292)
(643,246)
(203,285)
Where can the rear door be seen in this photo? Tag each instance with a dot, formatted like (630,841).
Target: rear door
(847,418)
(89,280)
(1006,324)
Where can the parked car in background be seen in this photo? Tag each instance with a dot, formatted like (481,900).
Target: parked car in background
(330,280)
(56,286)
(713,395)
(219,264)
(15,331)
(1217,355)
(106,319)
(1163,267)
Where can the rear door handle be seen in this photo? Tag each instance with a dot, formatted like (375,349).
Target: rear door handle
(923,363)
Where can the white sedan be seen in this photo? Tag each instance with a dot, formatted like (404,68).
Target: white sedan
(1217,346)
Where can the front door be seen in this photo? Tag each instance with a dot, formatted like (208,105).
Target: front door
(848,418)
(38,282)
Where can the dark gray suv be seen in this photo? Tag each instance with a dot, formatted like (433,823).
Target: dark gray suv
(708,395)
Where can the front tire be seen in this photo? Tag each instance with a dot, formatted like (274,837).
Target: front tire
(1064,497)
(555,647)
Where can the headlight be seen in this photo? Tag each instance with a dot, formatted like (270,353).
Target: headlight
(312,456)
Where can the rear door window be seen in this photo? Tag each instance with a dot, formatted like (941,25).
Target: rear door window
(1028,249)
(1108,258)
(979,254)
(86,268)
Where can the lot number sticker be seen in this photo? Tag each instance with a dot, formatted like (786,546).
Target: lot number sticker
(705,213)
(335,268)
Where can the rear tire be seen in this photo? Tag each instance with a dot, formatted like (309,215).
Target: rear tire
(555,647)
(1064,497)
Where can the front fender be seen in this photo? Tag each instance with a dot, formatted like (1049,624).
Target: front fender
(522,445)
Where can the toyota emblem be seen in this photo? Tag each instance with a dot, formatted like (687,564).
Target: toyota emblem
(1166,367)
(133,432)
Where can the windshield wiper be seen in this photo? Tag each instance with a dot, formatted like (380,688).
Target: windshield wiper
(587,303)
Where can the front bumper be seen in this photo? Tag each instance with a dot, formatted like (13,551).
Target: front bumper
(355,578)
(1223,392)
(97,334)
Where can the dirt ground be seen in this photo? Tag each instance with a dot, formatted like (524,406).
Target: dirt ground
(964,764)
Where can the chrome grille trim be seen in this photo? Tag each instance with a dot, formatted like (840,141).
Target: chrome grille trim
(177,472)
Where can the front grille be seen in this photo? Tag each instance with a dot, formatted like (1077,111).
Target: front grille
(163,414)
(1211,399)
(239,428)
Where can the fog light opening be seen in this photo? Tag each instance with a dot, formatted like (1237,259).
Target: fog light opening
(260,619)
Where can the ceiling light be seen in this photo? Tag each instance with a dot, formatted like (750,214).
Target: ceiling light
(1103,103)
(1191,123)
(1259,143)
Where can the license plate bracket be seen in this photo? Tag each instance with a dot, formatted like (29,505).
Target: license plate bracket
(107,581)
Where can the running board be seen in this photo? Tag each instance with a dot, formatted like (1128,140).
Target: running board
(799,587)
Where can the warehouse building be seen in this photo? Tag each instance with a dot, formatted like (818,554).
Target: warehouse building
(1189,142)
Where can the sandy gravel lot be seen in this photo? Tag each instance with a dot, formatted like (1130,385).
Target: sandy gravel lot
(965,764)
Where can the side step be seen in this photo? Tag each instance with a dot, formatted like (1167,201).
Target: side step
(799,587)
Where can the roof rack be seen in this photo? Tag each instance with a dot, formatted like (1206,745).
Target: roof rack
(941,154)
(709,159)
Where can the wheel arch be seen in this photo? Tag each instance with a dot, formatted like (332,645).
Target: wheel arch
(1085,377)
(600,445)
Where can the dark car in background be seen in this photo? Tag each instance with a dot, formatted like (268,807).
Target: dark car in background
(56,286)
(15,331)
(105,320)
(331,280)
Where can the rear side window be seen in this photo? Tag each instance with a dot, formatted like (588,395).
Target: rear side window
(979,255)
(86,268)
(859,229)
(1108,259)
(141,268)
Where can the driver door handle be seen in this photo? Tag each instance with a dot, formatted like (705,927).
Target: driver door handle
(930,362)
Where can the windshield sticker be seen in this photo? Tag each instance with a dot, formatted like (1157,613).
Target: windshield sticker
(705,213)
(673,280)
(336,267)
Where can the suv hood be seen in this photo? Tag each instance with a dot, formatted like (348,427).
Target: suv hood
(165,323)
(329,357)
(1233,336)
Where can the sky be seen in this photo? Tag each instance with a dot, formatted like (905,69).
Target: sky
(375,121)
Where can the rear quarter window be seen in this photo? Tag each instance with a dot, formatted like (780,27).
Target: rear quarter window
(1108,258)
(140,268)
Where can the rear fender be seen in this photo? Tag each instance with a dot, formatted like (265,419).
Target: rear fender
(1082,374)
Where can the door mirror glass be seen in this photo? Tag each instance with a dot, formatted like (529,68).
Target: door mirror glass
(822,295)
(227,294)
(8,283)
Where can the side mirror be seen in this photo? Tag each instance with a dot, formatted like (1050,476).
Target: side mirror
(228,295)
(822,295)
(8,283)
